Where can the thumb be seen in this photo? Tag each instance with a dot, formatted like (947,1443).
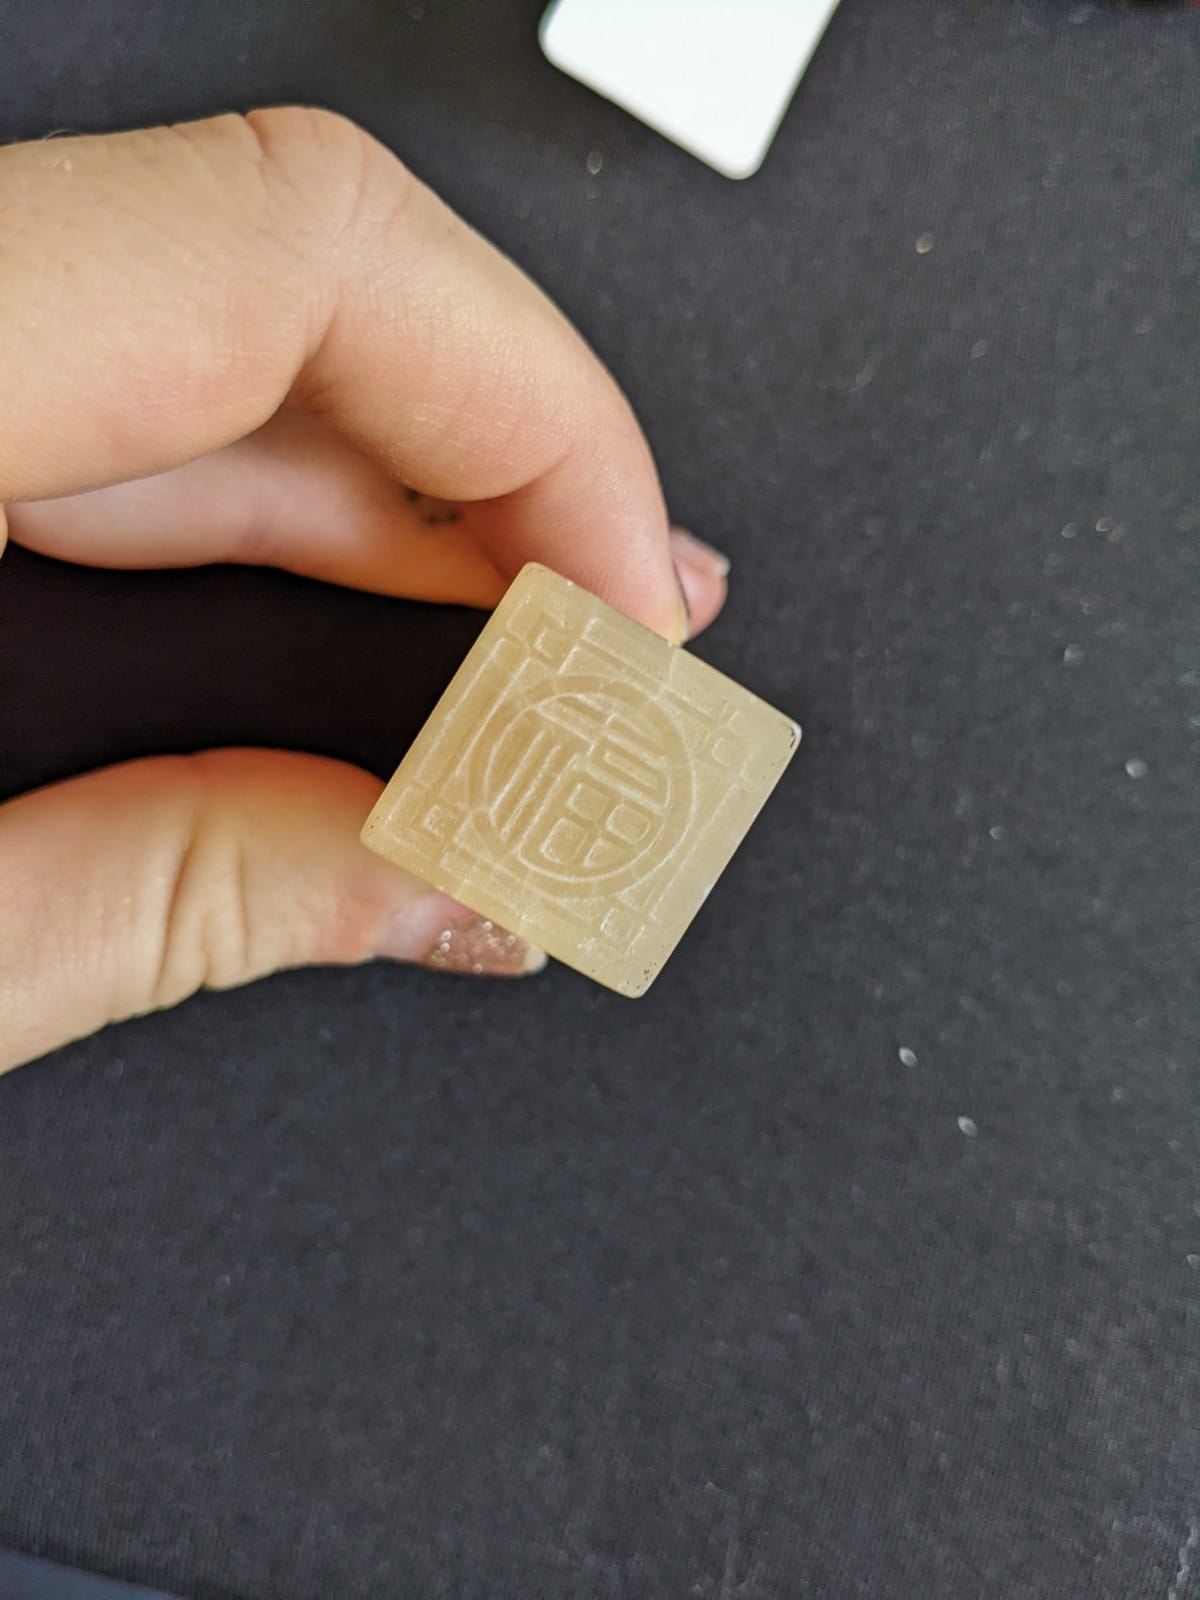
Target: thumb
(133,887)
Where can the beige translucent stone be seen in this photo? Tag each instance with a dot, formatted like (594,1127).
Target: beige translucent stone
(582,782)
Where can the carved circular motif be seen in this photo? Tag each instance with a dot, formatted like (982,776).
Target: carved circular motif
(583,783)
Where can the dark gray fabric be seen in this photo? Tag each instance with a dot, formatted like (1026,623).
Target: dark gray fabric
(22,1578)
(370,1284)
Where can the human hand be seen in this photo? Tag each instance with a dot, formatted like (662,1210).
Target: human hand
(256,339)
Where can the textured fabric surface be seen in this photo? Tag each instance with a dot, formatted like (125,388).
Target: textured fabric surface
(370,1284)
(24,1578)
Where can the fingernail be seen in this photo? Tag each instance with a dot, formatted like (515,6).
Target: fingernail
(438,933)
(477,945)
(693,552)
(683,625)
(702,572)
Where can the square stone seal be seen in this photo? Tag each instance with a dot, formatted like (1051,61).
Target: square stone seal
(582,782)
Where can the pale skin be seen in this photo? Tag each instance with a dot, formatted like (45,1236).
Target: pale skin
(244,339)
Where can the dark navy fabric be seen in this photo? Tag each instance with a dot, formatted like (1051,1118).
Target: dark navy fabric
(22,1578)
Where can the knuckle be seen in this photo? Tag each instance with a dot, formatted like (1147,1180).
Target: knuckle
(309,129)
(207,936)
(328,170)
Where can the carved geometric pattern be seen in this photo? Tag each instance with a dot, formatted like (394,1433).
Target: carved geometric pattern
(582,782)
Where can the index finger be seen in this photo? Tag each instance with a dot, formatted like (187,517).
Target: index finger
(164,292)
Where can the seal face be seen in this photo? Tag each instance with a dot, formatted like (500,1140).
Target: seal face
(582,782)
